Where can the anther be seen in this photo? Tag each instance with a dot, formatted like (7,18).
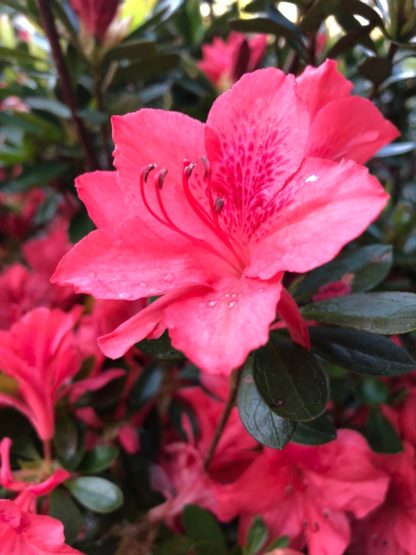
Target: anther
(218,205)
(147,170)
(161,177)
(189,169)
(205,162)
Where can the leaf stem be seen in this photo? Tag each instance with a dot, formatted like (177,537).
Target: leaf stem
(234,383)
(65,82)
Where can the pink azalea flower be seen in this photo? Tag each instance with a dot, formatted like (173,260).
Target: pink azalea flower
(96,15)
(255,192)
(39,352)
(25,533)
(391,528)
(225,61)
(307,492)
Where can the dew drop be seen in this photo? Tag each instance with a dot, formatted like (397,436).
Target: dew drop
(233,295)
(142,283)
(231,304)
(311,178)
(122,295)
(260,290)
(168,277)
(212,303)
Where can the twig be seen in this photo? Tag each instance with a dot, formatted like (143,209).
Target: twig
(235,380)
(65,82)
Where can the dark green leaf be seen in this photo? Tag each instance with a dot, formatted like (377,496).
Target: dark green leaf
(281,542)
(380,433)
(132,50)
(63,508)
(160,349)
(202,527)
(147,386)
(396,149)
(365,267)
(98,459)
(376,69)
(257,536)
(153,66)
(351,39)
(320,10)
(258,419)
(360,351)
(68,441)
(372,391)
(383,313)
(290,380)
(37,175)
(316,432)
(96,494)
(175,545)
(49,105)
(18,55)
(80,225)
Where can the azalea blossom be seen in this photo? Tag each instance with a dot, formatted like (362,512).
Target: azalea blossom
(25,533)
(208,217)
(308,492)
(40,354)
(96,15)
(225,61)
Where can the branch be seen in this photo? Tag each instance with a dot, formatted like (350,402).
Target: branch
(65,82)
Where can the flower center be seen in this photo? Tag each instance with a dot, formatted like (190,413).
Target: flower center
(210,219)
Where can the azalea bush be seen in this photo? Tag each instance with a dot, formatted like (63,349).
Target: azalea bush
(208,291)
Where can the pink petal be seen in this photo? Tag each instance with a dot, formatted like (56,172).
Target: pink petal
(101,194)
(288,310)
(255,139)
(135,262)
(322,208)
(139,326)
(218,329)
(349,128)
(79,388)
(317,86)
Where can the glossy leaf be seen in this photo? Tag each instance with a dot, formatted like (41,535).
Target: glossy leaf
(381,434)
(316,432)
(68,442)
(98,459)
(147,386)
(257,536)
(259,420)
(383,313)
(63,508)
(201,526)
(290,380)
(361,352)
(366,267)
(96,494)
(376,69)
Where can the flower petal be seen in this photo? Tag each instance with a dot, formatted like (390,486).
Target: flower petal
(255,139)
(139,326)
(317,86)
(349,128)
(325,206)
(135,261)
(218,329)
(101,194)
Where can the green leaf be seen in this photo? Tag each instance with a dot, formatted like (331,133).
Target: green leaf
(161,348)
(316,432)
(396,149)
(259,420)
(63,508)
(68,442)
(320,10)
(153,66)
(350,40)
(18,55)
(175,545)
(271,26)
(202,527)
(146,387)
(96,494)
(381,434)
(131,50)
(49,105)
(290,380)
(361,352)
(366,267)
(98,459)
(383,313)
(372,391)
(281,542)
(37,175)
(257,536)
(376,69)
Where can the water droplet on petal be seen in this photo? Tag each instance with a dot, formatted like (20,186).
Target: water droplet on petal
(231,304)
(142,283)
(168,277)
(233,295)
(122,295)
(227,296)
(260,289)
(212,303)
(311,178)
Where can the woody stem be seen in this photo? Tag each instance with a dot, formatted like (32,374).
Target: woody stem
(235,381)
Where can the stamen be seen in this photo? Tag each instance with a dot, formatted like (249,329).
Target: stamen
(161,177)
(147,170)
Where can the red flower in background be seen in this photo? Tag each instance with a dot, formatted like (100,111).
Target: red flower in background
(96,15)
(40,354)
(225,61)
(257,191)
